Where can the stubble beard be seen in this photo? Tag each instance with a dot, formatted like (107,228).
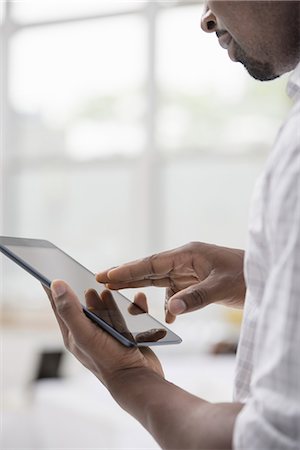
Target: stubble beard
(259,70)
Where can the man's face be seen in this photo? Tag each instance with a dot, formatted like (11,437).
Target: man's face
(262,35)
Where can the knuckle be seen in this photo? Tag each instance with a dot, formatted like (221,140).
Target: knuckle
(63,307)
(131,273)
(67,340)
(72,347)
(197,298)
(193,247)
(150,261)
(170,291)
(192,244)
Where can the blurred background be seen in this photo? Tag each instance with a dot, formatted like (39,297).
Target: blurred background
(125,130)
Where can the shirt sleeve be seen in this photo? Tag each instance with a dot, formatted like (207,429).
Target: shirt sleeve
(271,416)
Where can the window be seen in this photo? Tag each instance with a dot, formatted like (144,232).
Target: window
(207,107)
(126,132)
(67,93)
(207,103)
(35,11)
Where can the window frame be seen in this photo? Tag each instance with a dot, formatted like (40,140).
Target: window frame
(151,160)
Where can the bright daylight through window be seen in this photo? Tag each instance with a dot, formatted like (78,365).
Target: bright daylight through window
(127,132)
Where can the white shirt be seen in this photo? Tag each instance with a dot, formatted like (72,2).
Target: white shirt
(268,359)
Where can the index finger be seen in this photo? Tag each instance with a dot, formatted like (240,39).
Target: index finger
(154,267)
(116,318)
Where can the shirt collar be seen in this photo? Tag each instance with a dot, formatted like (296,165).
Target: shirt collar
(293,87)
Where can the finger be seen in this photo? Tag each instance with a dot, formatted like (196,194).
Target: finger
(157,282)
(139,305)
(169,317)
(68,341)
(70,312)
(102,276)
(61,324)
(154,335)
(148,268)
(195,297)
(95,304)
(140,300)
(64,329)
(116,318)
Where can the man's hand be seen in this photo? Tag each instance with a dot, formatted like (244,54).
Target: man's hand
(93,347)
(175,418)
(194,275)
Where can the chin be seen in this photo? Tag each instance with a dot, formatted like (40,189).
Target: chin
(262,71)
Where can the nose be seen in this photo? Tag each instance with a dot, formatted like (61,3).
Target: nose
(208,21)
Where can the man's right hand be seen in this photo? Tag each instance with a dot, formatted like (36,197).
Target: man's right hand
(194,275)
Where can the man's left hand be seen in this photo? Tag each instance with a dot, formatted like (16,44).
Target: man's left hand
(99,352)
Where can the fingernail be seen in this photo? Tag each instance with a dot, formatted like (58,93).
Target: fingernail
(58,289)
(177,306)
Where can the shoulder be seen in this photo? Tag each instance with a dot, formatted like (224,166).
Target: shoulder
(282,180)
(284,162)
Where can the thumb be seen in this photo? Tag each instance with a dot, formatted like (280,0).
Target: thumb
(194,297)
(70,311)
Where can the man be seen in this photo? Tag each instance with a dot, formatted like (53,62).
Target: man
(265,37)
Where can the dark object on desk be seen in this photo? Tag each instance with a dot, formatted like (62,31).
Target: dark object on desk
(224,348)
(49,365)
